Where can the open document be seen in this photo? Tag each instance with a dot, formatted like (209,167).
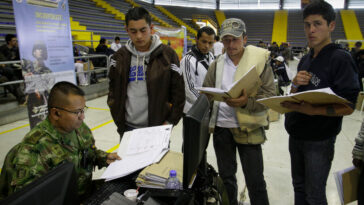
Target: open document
(317,97)
(347,184)
(138,149)
(250,82)
(156,175)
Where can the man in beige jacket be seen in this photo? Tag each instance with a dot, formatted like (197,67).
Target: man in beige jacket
(238,123)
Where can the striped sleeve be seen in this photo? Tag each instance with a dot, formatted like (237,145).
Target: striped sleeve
(188,67)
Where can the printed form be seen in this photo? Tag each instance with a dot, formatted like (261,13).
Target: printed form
(138,149)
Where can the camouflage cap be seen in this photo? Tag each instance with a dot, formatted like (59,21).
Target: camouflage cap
(232,26)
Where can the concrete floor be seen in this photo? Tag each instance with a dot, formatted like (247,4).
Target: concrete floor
(275,150)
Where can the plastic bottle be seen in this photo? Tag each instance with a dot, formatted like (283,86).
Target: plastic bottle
(172,181)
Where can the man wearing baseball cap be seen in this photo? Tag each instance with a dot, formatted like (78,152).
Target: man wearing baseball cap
(280,69)
(238,123)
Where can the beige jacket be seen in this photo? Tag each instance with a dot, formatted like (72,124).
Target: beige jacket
(253,117)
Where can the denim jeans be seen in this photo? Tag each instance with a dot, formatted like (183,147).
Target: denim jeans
(251,158)
(310,167)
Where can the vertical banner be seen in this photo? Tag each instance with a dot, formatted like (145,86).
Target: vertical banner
(174,37)
(45,45)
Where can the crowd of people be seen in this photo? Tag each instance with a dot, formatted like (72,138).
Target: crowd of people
(150,86)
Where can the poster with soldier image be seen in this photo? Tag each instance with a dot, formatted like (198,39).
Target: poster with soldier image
(45,46)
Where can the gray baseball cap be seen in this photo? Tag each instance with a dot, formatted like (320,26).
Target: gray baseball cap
(232,26)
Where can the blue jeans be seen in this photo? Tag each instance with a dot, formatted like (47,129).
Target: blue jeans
(310,167)
(251,158)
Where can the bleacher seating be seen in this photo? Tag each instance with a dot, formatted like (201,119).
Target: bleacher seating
(339,32)
(186,16)
(7,20)
(95,19)
(360,17)
(259,23)
(295,31)
(156,12)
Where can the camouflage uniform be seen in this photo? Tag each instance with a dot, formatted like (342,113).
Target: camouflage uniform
(42,149)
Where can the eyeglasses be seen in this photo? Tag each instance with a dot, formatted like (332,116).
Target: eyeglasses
(78,113)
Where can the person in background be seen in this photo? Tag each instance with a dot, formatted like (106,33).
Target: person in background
(280,69)
(360,64)
(103,49)
(218,47)
(11,72)
(355,50)
(358,162)
(195,63)
(10,52)
(146,84)
(116,45)
(238,123)
(274,48)
(63,136)
(261,44)
(313,128)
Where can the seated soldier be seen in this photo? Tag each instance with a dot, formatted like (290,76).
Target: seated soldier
(63,136)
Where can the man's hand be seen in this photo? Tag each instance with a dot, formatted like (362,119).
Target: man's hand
(357,163)
(303,107)
(111,157)
(302,78)
(238,102)
(166,123)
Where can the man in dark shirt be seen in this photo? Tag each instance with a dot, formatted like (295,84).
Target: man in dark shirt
(313,128)
(11,72)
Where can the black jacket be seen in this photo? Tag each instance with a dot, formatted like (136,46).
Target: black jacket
(333,67)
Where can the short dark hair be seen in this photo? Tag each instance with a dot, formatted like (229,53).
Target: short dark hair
(217,38)
(117,38)
(136,14)
(40,45)
(59,93)
(206,29)
(358,44)
(102,41)
(320,7)
(8,37)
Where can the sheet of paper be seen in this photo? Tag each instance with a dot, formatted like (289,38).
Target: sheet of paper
(317,97)
(145,139)
(250,81)
(347,183)
(138,149)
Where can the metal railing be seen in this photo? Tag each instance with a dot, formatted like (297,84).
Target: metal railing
(88,71)
(92,35)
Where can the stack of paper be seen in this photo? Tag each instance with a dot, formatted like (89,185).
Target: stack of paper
(156,175)
(347,184)
(138,149)
(315,97)
(250,82)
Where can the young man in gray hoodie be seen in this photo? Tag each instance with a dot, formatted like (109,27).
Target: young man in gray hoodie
(146,84)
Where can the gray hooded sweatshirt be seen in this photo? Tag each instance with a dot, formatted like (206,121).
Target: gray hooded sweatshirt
(136,104)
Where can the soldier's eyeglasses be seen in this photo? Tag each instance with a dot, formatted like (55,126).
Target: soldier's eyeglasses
(78,112)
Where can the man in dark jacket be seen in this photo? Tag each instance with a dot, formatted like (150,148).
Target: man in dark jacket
(313,128)
(146,83)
